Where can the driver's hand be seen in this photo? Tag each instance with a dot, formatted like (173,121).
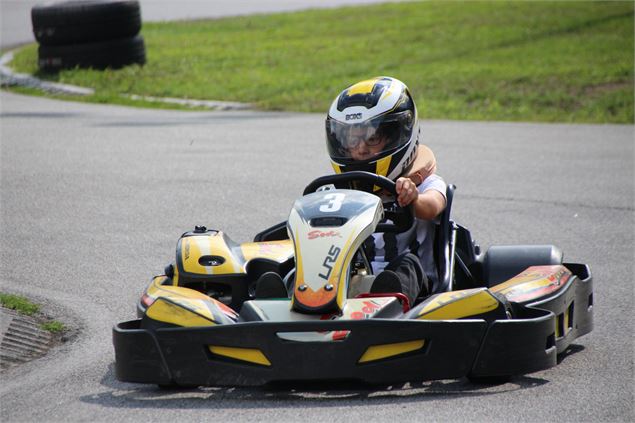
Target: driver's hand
(406,191)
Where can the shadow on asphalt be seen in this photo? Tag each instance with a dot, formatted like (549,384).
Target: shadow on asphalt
(130,395)
(571,349)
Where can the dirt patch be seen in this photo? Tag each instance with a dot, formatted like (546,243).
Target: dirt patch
(599,89)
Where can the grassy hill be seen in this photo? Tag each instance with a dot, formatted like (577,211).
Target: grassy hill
(529,61)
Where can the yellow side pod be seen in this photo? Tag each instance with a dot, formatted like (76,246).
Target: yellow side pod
(195,247)
(458,305)
(180,311)
(535,282)
(157,289)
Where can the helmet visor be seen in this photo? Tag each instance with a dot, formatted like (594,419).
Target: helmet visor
(369,140)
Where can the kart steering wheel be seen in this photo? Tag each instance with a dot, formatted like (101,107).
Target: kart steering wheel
(402,217)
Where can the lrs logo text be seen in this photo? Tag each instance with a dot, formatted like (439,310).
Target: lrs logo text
(328,262)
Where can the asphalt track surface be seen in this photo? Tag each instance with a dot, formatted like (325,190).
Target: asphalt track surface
(95,197)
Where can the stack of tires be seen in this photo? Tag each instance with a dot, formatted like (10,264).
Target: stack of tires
(95,34)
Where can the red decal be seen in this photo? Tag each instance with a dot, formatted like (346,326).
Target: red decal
(556,281)
(331,316)
(321,234)
(370,307)
(225,309)
(357,315)
(340,334)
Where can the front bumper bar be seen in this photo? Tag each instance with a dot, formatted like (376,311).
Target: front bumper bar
(451,349)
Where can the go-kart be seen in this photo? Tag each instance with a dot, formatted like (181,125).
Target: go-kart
(295,304)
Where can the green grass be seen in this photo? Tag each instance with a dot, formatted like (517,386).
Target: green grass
(527,61)
(19,304)
(24,306)
(53,326)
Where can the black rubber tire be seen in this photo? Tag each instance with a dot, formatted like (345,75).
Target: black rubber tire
(84,21)
(502,262)
(106,54)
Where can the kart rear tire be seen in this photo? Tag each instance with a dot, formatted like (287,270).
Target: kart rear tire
(502,262)
(106,54)
(83,21)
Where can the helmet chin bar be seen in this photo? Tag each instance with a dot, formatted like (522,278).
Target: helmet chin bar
(383,166)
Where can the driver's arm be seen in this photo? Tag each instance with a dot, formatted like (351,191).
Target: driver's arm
(427,205)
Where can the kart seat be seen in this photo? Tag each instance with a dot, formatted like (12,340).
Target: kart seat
(444,245)
(270,285)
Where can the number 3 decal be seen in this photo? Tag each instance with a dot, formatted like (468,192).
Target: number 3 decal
(334,203)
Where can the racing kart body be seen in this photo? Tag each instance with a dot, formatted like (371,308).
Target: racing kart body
(294,304)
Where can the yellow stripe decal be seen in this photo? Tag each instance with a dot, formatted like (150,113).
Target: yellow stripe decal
(363,87)
(299,270)
(164,311)
(340,279)
(195,247)
(377,352)
(175,292)
(175,278)
(274,250)
(382,169)
(387,93)
(447,306)
(507,287)
(383,165)
(243,354)
(336,168)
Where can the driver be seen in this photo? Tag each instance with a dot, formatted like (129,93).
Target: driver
(372,126)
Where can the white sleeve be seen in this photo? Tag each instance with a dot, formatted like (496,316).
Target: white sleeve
(434,182)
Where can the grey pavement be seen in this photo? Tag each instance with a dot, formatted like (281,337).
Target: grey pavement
(5,321)
(94,198)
